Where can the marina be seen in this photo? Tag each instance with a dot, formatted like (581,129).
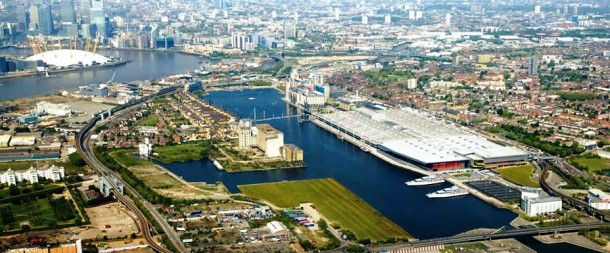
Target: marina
(360,172)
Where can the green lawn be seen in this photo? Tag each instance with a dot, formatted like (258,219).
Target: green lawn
(179,153)
(38,213)
(334,201)
(150,120)
(592,164)
(126,157)
(521,175)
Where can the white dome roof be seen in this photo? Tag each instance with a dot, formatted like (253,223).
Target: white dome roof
(67,57)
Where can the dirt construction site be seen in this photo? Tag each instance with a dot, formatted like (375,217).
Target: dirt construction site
(110,220)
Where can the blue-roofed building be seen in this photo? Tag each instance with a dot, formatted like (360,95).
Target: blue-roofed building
(27,119)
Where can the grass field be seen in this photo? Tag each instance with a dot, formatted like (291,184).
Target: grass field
(150,120)
(38,213)
(521,175)
(592,164)
(334,201)
(125,157)
(179,153)
(158,179)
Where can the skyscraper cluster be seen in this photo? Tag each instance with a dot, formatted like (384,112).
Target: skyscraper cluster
(37,19)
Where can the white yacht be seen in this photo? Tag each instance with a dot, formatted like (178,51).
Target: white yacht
(453,191)
(427,180)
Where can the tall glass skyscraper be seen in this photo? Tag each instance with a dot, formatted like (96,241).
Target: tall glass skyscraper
(67,11)
(45,20)
(22,18)
(85,8)
(98,17)
(33,24)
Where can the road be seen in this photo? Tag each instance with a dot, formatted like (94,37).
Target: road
(84,148)
(286,65)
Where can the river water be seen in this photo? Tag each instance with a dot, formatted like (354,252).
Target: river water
(375,181)
(145,65)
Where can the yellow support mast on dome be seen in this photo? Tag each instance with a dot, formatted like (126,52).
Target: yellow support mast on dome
(33,46)
(45,46)
(97,39)
(88,46)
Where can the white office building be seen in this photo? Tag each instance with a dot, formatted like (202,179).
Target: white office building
(412,83)
(530,193)
(540,206)
(598,199)
(61,110)
(106,187)
(269,140)
(31,175)
(145,149)
(246,134)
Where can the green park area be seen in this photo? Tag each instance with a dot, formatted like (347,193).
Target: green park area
(24,214)
(521,175)
(334,201)
(150,120)
(590,162)
(183,152)
(260,83)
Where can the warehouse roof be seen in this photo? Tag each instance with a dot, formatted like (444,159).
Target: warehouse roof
(23,141)
(418,135)
(450,148)
(423,151)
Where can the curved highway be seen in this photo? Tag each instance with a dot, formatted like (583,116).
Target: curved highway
(84,149)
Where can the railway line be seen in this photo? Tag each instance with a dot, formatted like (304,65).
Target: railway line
(84,148)
(580,204)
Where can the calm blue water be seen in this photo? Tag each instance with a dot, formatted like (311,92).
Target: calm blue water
(378,183)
